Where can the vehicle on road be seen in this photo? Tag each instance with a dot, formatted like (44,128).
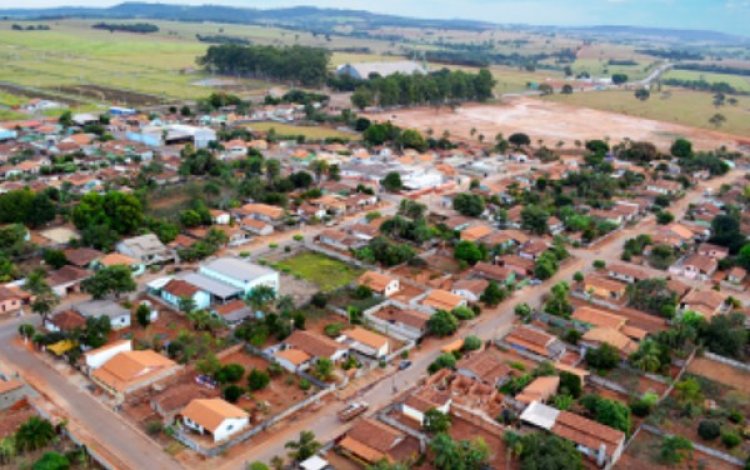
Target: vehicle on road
(353,410)
(404,365)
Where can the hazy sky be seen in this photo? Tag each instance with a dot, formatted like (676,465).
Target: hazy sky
(721,15)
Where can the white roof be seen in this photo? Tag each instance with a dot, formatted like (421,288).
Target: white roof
(237,269)
(540,415)
(314,463)
(159,283)
(212,286)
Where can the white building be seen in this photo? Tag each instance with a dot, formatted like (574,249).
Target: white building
(366,342)
(240,274)
(147,249)
(363,70)
(216,417)
(99,356)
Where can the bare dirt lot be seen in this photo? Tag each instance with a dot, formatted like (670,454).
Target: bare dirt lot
(552,122)
(721,373)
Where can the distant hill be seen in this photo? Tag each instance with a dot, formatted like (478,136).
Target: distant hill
(322,20)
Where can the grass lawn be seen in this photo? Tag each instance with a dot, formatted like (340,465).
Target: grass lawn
(687,107)
(327,273)
(310,132)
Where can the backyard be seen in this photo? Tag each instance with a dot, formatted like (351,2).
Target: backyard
(326,273)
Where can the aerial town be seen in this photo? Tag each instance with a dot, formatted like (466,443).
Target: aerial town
(378,265)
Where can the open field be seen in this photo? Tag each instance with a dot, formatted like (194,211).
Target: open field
(737,81)
(553,122)
(310,132)
(675,105)
(721,373)
(327,273)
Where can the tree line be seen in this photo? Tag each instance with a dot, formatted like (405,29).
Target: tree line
(222,39)
(703,85)
(435,88)
(714,68)
(302,65)
(141,28)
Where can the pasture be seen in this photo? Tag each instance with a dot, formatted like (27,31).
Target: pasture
(327,273)
(737,81)
(310,132)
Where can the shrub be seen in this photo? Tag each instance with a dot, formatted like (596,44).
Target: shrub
(154,427)
(319,300)
(257,380)
(333,330)
(736,417)
(304,384)
(472,343)
(599,264)
(640,408)
(463,313)
(274,369)
(709,429)
(730,439)
(229,373)
(298,237)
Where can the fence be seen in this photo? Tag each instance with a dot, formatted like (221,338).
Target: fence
(699,447)
(727,361)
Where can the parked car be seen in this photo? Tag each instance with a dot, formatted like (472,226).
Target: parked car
(353,410)
(404,365)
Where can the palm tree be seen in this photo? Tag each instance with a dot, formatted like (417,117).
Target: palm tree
(304,447)
(319,167)
(260,296)
(34,434)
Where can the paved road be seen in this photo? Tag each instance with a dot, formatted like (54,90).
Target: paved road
(109,432)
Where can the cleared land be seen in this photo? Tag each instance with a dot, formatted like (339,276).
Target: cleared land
(722,373)
(675,105)
(552,122)
(327,273)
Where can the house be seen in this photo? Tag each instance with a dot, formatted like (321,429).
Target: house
(590,316)
(603,288)
(598,442)
(367,342)
(409,323)
(476,232)
(214,416)
(597,336)
(11,299)
(96,358)
(67,280)
(713,251)
(556,226)
(540,389)
(485,367)
(696,266)
(82,257)
(533,340)
(470,289)
(130,371)
(439,299)
(371,441)
(492,272)
(664,187)
(675,235)
(626,273)
(170,402)
(233,313)
(115,259)
(423,400)
(705,302)
(11,392)
(312,346)
(380,283)
(119,316)
(263,212)
(256,227)
(736,276)
(240,274)
(220,217)
(65,321)
(337,239)
(176,290)
(521,266)
(146,249)
(533,249)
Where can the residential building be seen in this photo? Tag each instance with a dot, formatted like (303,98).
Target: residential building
(381,284)
(216,417)
(597,336)
(312,346)
(485,367)
(533,340)
(626,273)
(713,251)
(176,290)
(240,274)
(367,342)
(95,358)
(146,249)
(65,321)
(130,371)
(540,389)
(695,266)
(233,313)
(603,288)
(11,392)
(409,323)
(371,441)
(423,400)
(705,302)
(439,299)
(67,280)
(119,316)
(470,289)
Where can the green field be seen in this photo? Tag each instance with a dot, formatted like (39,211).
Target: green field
(691,108)
(327,273)
(310,132)
(739,82)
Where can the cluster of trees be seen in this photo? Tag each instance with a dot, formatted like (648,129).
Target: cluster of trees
(702,85)
(652,296)
(26,207)
(140,28)
(611,413)
(104,219)
(672,54)
(31,27)
(32,435)
(302,65)
(434,88)
(387,133)
(713,68)
(548,263)
(469,204)
(222,39)
(204,248)
(385,252)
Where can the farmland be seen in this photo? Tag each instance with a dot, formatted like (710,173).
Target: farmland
(686,107)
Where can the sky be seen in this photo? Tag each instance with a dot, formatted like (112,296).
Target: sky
(730,16)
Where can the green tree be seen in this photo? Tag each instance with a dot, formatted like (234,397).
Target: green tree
(469,252)
(436,421)
(648,356)
(682,148)
(688,391)
(230,373)
(605,357)
(534,219)
(493,294)
(117,279)
(458,455)
(257,380)
(468,204)
(54,258)
(442,323)
(232,393)
(543,451)
(608,412)
(44,298)
(392,182)
(523,311)
(558,303)
(519,140)
(26,330)
(209,365)
(304,447)
(143,315)
(323,368)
